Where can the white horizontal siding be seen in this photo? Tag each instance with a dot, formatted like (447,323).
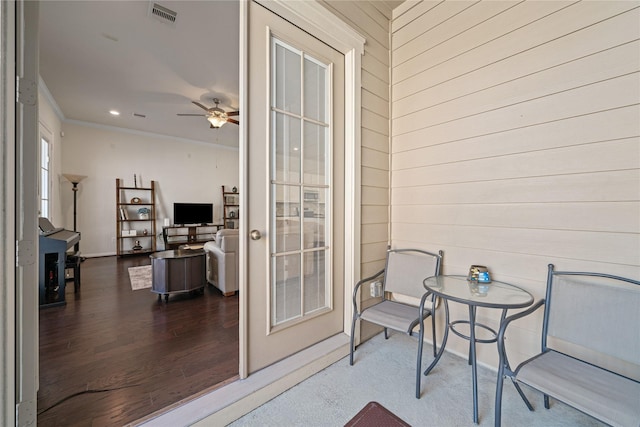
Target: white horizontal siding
(606,186)
(377,67)
(376,177)
(377,122)
(375,141)
(385,7)
(449,61)
(608,217)
(617,61)
(613,124)
(522,160)
(376,104)
(374,233)
(375,85)
(406,15)
(431,36)
(621,30)
(516,140)
(618,92)
(364,17)
(598,157)
(372,20)
(375,214)
(613,248)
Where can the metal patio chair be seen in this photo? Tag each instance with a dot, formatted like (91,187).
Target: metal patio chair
(404,271)
(590,348)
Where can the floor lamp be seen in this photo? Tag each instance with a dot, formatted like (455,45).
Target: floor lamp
(75,180)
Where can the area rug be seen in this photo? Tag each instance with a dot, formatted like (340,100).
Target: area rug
(140,277)
(375,415)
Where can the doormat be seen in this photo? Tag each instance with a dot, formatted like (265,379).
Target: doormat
(375,415)
(140,277)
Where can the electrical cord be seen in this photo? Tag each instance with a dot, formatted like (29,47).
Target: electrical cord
(64,399)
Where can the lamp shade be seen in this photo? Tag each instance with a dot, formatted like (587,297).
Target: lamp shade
(72,178)
(217,118)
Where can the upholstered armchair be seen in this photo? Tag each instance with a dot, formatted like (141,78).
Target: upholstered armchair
(222,261)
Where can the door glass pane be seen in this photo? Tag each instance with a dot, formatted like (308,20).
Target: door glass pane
(287,78)
(287,219)
(287,148)
(44,208)
(44,178)
(44,184)
(315,151)
(299,185)
(287,288)
(315,292)
(44,154)
(314,90)
(314,217)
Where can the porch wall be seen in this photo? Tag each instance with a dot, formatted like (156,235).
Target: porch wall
(372,20)
(515,141)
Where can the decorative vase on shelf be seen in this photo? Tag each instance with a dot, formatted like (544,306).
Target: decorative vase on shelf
(143,213)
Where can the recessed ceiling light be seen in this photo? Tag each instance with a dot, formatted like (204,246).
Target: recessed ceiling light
(114,112)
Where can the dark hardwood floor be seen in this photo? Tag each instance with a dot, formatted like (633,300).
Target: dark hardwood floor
(122,355)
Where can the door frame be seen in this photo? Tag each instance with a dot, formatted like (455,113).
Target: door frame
(7,224)
(18,228)
(322,24)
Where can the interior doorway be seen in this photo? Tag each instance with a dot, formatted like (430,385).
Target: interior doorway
(100,276)
(351,147)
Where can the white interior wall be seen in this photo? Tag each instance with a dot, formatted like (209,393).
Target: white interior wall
(183,171)
(515,142)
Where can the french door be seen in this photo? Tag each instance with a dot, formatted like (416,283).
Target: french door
(295,161)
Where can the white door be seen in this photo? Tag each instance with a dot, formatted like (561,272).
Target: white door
(295,209)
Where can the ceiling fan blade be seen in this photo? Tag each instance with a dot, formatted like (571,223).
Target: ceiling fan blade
(200,105)
(233,113)
(233,121)
(198,115)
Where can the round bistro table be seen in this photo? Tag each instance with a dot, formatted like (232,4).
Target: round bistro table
(458,289)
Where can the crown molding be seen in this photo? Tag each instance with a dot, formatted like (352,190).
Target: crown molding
(45,91)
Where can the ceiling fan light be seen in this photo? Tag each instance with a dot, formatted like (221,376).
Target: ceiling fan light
(217,120)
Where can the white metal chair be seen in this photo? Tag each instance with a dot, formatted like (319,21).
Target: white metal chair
(404,271)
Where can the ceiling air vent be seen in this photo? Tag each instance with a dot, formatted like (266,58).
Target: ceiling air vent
(162,13)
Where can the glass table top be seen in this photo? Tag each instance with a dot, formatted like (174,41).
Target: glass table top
(494,294)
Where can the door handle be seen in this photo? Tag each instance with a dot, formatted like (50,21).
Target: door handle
(255,235)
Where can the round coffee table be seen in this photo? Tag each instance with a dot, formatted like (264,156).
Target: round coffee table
(177,271)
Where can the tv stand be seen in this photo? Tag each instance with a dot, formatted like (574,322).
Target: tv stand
(177,235)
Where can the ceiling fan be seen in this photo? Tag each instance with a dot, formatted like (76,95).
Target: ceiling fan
(216,116)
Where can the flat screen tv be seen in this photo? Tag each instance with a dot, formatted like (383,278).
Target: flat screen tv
(192,213)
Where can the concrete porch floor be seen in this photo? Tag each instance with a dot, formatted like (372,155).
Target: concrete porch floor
(384,372)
